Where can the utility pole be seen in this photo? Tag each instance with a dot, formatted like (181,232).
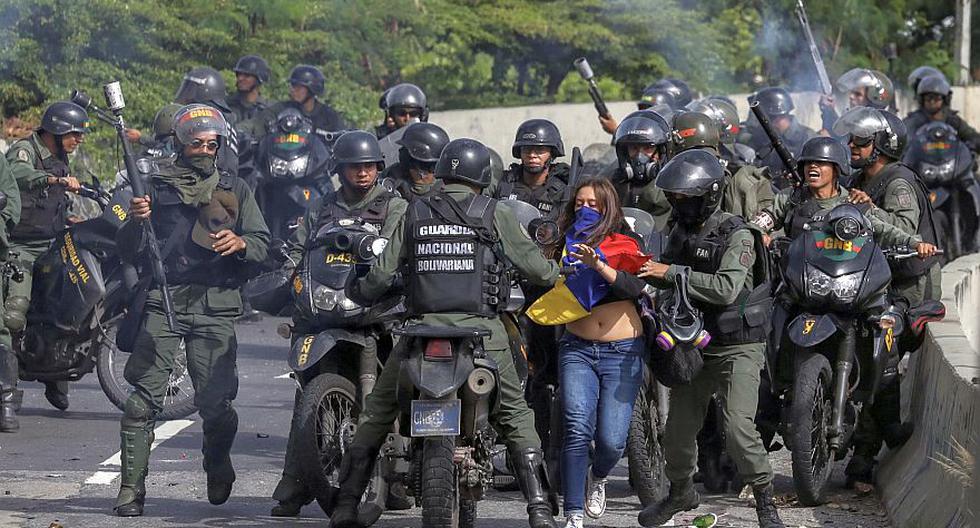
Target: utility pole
(962,51)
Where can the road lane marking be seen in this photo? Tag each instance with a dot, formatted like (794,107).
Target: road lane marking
(285,376)
(161,434)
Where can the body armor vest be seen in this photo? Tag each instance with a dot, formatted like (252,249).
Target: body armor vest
(453,262)
(913,267)
(745,321)
(189,263)
(43,210)
(374,212)
(546,198)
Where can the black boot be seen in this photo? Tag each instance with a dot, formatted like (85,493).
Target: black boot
(292,495)
(765,507)
(219,435)
(57,394)
(682,497)
(8,416)
(859,469)
(355,474)
(532,478)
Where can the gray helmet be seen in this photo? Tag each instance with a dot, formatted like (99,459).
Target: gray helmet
(65,117)
(934,84)
(887,130)
(643,127)
(406,95)
(825,149)
(655,95)
(879,92)
(496,165)
(309,76)
(679,89)
(423,142)
(163,121)
(255,66)
(694,130)
(774,101)
(921,73)
(358,146)
(722,112)
(538,132)
(202,85)
(194,119)
(466,160)
(699,176)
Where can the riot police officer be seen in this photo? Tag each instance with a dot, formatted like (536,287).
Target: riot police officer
(359,162)
(464,167)
(414,174)
(209,219)
(537,179)
(161,144)
(251,72)
(778,105)
(934,94)
(403,105)
(9,216)
(642,144)
(306,86)
(863,87)
(39,163)
(920,73)
(747,187)
(725,258)
(664,96)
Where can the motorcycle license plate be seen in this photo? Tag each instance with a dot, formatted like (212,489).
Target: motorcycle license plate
(435,417)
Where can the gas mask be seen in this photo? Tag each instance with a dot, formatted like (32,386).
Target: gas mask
(642,169)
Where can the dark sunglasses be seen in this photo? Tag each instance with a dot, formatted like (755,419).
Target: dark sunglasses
(424,166)
(860,142)
(409,112)
(207,145)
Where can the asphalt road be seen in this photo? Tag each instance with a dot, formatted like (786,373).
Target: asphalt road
(61,469)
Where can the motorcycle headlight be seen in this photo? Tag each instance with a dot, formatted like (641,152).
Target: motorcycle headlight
(278,167)
(297,167)
(843,289)
(326,298)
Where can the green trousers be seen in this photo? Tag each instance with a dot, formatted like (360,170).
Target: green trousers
(514,421)
(28,251)
(733,374)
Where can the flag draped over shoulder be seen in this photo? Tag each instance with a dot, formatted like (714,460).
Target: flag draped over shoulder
(576,293)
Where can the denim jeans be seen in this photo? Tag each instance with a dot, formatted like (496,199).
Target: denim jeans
(598,382)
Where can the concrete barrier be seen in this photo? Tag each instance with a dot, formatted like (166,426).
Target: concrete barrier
(943,400)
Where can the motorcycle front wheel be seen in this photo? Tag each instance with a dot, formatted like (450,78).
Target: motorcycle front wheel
(643,449)
(810,414)
(442,506)
(179,399)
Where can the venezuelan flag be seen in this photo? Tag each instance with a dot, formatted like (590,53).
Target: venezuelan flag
(574,295)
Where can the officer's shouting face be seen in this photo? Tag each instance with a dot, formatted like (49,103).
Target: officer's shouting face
(405,115)
(245,83)
(819,175)
(360,176)
(861,147)
(535,158)
(71,141)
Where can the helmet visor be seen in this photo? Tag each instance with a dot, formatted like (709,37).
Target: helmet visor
(861,122)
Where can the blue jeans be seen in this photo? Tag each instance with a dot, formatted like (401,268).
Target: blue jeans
(598,382)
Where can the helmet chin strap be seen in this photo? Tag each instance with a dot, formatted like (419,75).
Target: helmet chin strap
(60,145)
(866,161)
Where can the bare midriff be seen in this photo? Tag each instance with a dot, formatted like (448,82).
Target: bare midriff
(609,322)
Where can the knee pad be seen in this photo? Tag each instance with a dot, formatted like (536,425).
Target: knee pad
(15,313)
(137,412)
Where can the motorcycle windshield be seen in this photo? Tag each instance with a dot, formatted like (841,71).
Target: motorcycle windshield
(641,222)
(522,211)
(861,121)
(329,266)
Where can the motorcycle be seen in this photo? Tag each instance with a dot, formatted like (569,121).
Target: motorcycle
(833,352)
(294,165)
(80,292)
(332,360)
(947,167)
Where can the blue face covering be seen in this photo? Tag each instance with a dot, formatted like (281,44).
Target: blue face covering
(586,218)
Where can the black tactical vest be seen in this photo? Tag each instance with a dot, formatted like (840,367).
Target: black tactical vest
(546,198)
(913,267)
(189,263)
(44,209)
(453,262)
(374,212)
(745,321)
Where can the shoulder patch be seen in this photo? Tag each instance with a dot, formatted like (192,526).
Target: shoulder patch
(22,155)
(904,197)
(745,258)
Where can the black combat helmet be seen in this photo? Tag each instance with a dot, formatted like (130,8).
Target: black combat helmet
(887,130)
(358,146)
(538,132)
(63,118)
(406,95)
(679,89)
(723,112)
(825,149)
(643,127)
(699,177)
(877,85)
(423,142)
(309,76)
(694,130)
(202,85)
(163,121)
(465,160)
(655,95)
(255,66)
(934,84)
(774,101)
(921,73)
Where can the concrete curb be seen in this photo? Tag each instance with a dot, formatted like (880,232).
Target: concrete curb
(944,403)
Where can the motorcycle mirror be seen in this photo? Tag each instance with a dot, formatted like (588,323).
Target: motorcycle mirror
(81,99)
(544,232)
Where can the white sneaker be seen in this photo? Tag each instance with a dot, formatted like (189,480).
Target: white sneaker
(573,521)
(595,497)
